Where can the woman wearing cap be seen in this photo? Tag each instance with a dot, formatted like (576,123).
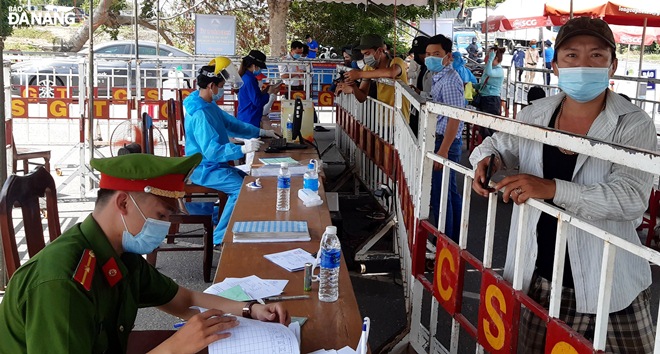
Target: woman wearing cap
(490,87)
(207,131)
(251,98)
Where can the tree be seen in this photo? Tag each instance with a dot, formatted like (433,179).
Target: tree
(335,24)
(278,11)
(481,3)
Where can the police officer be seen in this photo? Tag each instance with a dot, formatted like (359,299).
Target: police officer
(81,293)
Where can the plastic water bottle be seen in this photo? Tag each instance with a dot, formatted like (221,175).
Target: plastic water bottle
(330,259)
(289,128)
(283,188)
(311,177)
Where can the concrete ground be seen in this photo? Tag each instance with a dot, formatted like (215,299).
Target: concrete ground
(379,295)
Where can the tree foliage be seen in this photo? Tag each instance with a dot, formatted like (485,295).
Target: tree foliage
(481,3)
(5,28)
(251,22)
(337,24)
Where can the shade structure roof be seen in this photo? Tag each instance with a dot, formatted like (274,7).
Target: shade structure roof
(519,14)
(633,34)
(615,12)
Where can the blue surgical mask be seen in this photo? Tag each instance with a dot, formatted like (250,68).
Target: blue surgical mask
(533,46)
(435,63)
(148,239)
(583,84)
(217,96)
(257,72)
(296,56)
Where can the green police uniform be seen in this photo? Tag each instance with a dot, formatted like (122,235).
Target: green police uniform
(46,310)
(78,295)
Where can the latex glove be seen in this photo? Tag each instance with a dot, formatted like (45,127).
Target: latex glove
(251,145)
(267,133)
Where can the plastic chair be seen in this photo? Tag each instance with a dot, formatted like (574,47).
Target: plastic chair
(24,192)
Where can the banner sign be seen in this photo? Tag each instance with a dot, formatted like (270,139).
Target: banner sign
(215,35)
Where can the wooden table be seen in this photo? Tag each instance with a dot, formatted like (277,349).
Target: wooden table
(329,325)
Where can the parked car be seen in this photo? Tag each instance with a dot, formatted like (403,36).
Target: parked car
(113,60)
(463,38)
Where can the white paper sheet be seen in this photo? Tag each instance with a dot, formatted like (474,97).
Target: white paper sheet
(254,286)
(291,260)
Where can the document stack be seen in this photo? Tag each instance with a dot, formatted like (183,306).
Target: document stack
(270,231)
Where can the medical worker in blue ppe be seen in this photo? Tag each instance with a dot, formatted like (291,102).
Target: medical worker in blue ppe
(251,97)
(208,129)
(459,65)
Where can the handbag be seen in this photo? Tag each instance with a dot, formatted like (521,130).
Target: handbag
(476,99)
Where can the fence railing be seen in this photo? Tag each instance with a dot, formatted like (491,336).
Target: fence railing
(444,282)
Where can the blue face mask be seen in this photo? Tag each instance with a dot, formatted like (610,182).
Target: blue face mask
(533,46)
(257,72)
(152,234)
(217,96)
(296,56)
(583,84)
(435,63)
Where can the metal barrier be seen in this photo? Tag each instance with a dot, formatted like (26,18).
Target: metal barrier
(497,321)
(50,97)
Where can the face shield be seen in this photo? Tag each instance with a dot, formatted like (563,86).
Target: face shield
(230,74)
(227,70)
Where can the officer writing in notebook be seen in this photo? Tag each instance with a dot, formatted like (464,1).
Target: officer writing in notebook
(81,293)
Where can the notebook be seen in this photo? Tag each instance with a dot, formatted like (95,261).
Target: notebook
(270,231)
(252,336)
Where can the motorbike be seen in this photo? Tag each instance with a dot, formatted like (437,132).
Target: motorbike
(327,52)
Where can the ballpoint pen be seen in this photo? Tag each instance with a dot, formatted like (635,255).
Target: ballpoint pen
(183,323)
(364,337)
(290,297)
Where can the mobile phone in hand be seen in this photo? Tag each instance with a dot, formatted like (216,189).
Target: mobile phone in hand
(489,171)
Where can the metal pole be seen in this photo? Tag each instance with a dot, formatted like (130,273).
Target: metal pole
(90,94)
(486,37)
(641,55)
(570,14)
(138,87)
(435,17)
(3,152)
(3,118)
(160,82)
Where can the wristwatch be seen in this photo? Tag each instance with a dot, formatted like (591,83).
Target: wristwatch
(247,309)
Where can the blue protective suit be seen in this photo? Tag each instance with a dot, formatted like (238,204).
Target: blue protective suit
(207,132)
(251,100)
(459,65)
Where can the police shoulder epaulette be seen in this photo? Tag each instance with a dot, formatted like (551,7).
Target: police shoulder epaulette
(85,271)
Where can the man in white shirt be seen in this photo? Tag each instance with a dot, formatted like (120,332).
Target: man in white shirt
(293,74)
(603,193)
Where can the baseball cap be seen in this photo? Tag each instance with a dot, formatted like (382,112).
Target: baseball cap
(369,41)
(585,25)
(419,45)
(258,58)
